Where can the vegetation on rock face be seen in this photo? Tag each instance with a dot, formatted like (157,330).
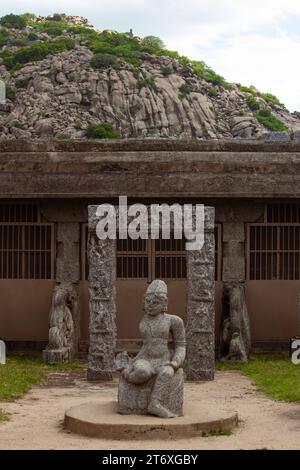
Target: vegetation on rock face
(153,42)
(36,52)
(147,82)
(272,99)
(13,21)
(102,60)
(4,35)
(28,39)
(206,73)
(267,119)
(167,71)
(103,130)
(247,89)
(185,89)
(252,103)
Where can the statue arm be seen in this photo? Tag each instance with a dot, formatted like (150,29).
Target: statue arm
(178,333)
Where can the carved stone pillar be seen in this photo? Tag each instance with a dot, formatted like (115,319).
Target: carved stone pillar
(102,290)
(200,304)
(200,327)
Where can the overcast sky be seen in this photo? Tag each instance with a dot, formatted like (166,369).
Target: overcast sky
(250,42)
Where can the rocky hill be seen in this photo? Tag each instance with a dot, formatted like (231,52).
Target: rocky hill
(65,79)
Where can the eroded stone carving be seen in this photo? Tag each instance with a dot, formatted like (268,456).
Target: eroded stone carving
(152,382)
(64,317)
(235,339)
(2,352)
(102,289)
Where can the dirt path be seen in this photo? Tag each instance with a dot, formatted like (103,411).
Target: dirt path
(36,420)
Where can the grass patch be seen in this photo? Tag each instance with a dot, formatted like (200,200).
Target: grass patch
(217,432)
(271,99)
(277,377)
(3,416)
(271,122)
(20,373)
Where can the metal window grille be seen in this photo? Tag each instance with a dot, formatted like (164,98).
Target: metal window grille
(149,259)
(282,213)
(273,252)
(26,251)
(23,213)
(132,259)
(218,252)
(169,258)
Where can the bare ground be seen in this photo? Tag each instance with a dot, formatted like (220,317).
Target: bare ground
(36,421)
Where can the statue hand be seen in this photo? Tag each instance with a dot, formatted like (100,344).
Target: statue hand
(173,364)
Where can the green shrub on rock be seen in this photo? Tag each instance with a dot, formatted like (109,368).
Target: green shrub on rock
(185,89)
(147,82)
(267,119)
(36,52)
(252,103)
(102,61)
(167,71)
(3,37)
(153,42)
(13,21)
(103,130)
(272,99)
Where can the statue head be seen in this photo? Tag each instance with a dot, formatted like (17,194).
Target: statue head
(156,298)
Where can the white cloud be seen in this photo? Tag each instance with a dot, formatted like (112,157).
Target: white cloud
(246,42)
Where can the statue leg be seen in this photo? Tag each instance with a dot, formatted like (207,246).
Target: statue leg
(156,406)
(138,372)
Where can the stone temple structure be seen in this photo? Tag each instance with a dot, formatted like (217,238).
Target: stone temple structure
(152,382)
(200,325)
(46,189)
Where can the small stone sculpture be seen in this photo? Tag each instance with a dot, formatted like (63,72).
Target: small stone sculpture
(152,382)
(2,352)
(64,314)
(235,340)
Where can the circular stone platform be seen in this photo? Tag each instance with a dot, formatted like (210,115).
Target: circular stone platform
(100,419)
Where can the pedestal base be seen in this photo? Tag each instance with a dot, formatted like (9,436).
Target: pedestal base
(135,399)
(100,419)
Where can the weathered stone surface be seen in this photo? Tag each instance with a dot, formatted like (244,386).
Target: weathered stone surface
(275,136)
(100,419)
(200,306)
(68,254)
(152,382)
(133,399)
(66,89)
(233,261)
(216,169)
(44,128)
(102,277)
(64,322)
(233,231)
(235,337)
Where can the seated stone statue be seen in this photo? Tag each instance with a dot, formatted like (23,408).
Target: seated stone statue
(62,336)
(152,382)
(235,338)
